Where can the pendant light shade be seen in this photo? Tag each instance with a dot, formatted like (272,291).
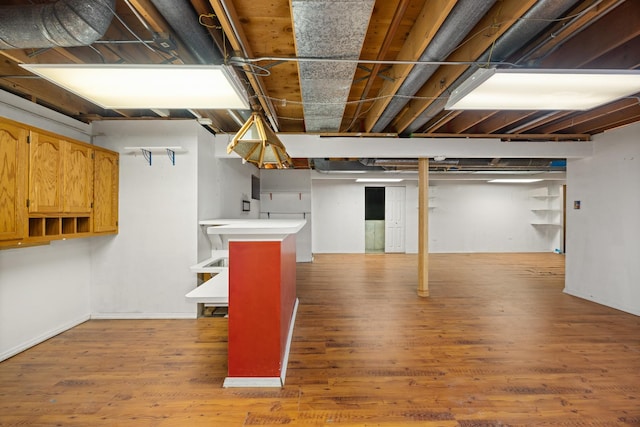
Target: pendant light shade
(256,143)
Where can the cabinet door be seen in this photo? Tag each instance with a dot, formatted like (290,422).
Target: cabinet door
(105,199)
(78,178)
(13,180)
(45,174)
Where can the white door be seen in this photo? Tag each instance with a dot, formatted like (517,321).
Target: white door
(394,203)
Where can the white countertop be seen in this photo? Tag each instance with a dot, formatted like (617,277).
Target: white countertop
(254,227)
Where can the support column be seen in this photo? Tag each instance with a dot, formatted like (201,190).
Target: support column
(423,227)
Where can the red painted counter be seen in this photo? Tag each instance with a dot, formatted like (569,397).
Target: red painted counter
(262,300)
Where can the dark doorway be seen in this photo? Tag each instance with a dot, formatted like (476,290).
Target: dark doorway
(374,207)
(374,203)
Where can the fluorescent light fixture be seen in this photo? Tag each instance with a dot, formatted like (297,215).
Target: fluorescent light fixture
(122,86)
(514,181)
(522,89)
(379,179)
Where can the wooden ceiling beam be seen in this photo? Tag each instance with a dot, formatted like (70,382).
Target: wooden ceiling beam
(537,119)
(390,35)
(495,23)
(502,121)
(613,119)
(610,31)
(443,119)
(584,14)
(510,136)
(468,119)
(583,117)
(233,30)
(624,57)
(431,17)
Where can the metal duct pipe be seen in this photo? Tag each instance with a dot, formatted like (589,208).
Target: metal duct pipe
(64,23)
(464,16)
(518,35)
(184,21)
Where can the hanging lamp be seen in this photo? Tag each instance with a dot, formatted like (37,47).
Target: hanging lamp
(256,143)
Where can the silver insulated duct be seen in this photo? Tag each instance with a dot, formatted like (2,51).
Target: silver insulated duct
(328,29)
(64,23)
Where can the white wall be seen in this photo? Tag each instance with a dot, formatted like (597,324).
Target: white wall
(209,192)
(144,271)
(286,194)
(234,181)
(603,236)
(475,216)
(338,216)
(44,290)
(467,216)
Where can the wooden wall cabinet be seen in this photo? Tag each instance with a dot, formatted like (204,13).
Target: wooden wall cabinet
(45,173)
(105,210)
(13,180)
(77,178)
(53,188)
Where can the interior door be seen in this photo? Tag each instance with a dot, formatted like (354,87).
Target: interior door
(394,216)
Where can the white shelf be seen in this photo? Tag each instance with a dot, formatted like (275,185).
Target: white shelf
(147,152)
(214,291)
(136,150)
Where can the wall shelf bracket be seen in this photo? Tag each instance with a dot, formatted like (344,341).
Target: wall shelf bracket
(147,155)
(172,156)
(147,152)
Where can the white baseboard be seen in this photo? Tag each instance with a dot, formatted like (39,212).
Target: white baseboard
(43,337)
(609,304)
(134,316)
(268,381)
(230,382)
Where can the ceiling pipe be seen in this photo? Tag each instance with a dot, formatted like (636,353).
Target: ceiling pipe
(270,112)
(65,23)
(382,53)
(464,16)
(534,21)
(184,22)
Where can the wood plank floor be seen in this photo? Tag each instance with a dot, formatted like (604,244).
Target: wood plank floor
(496,344)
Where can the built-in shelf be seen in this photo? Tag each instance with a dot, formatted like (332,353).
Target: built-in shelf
(546,209)
(57,227)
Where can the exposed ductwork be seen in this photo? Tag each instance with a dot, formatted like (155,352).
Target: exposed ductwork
(464,16)
(518,35)
(64,23)
(183,19)
(516,165)
(334,29)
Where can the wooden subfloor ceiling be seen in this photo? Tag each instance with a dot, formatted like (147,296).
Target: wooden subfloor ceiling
(496,344)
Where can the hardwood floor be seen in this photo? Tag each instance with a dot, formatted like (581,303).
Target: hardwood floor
(496,344)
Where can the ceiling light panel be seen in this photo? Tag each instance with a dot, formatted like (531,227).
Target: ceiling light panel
(122,86)
(521,89)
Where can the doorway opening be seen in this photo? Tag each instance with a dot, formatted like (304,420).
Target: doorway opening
(374,209)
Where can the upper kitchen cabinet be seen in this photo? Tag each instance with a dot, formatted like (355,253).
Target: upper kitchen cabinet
(105,208)
(13,179)
(77,177)
(54,188)
(45,173)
